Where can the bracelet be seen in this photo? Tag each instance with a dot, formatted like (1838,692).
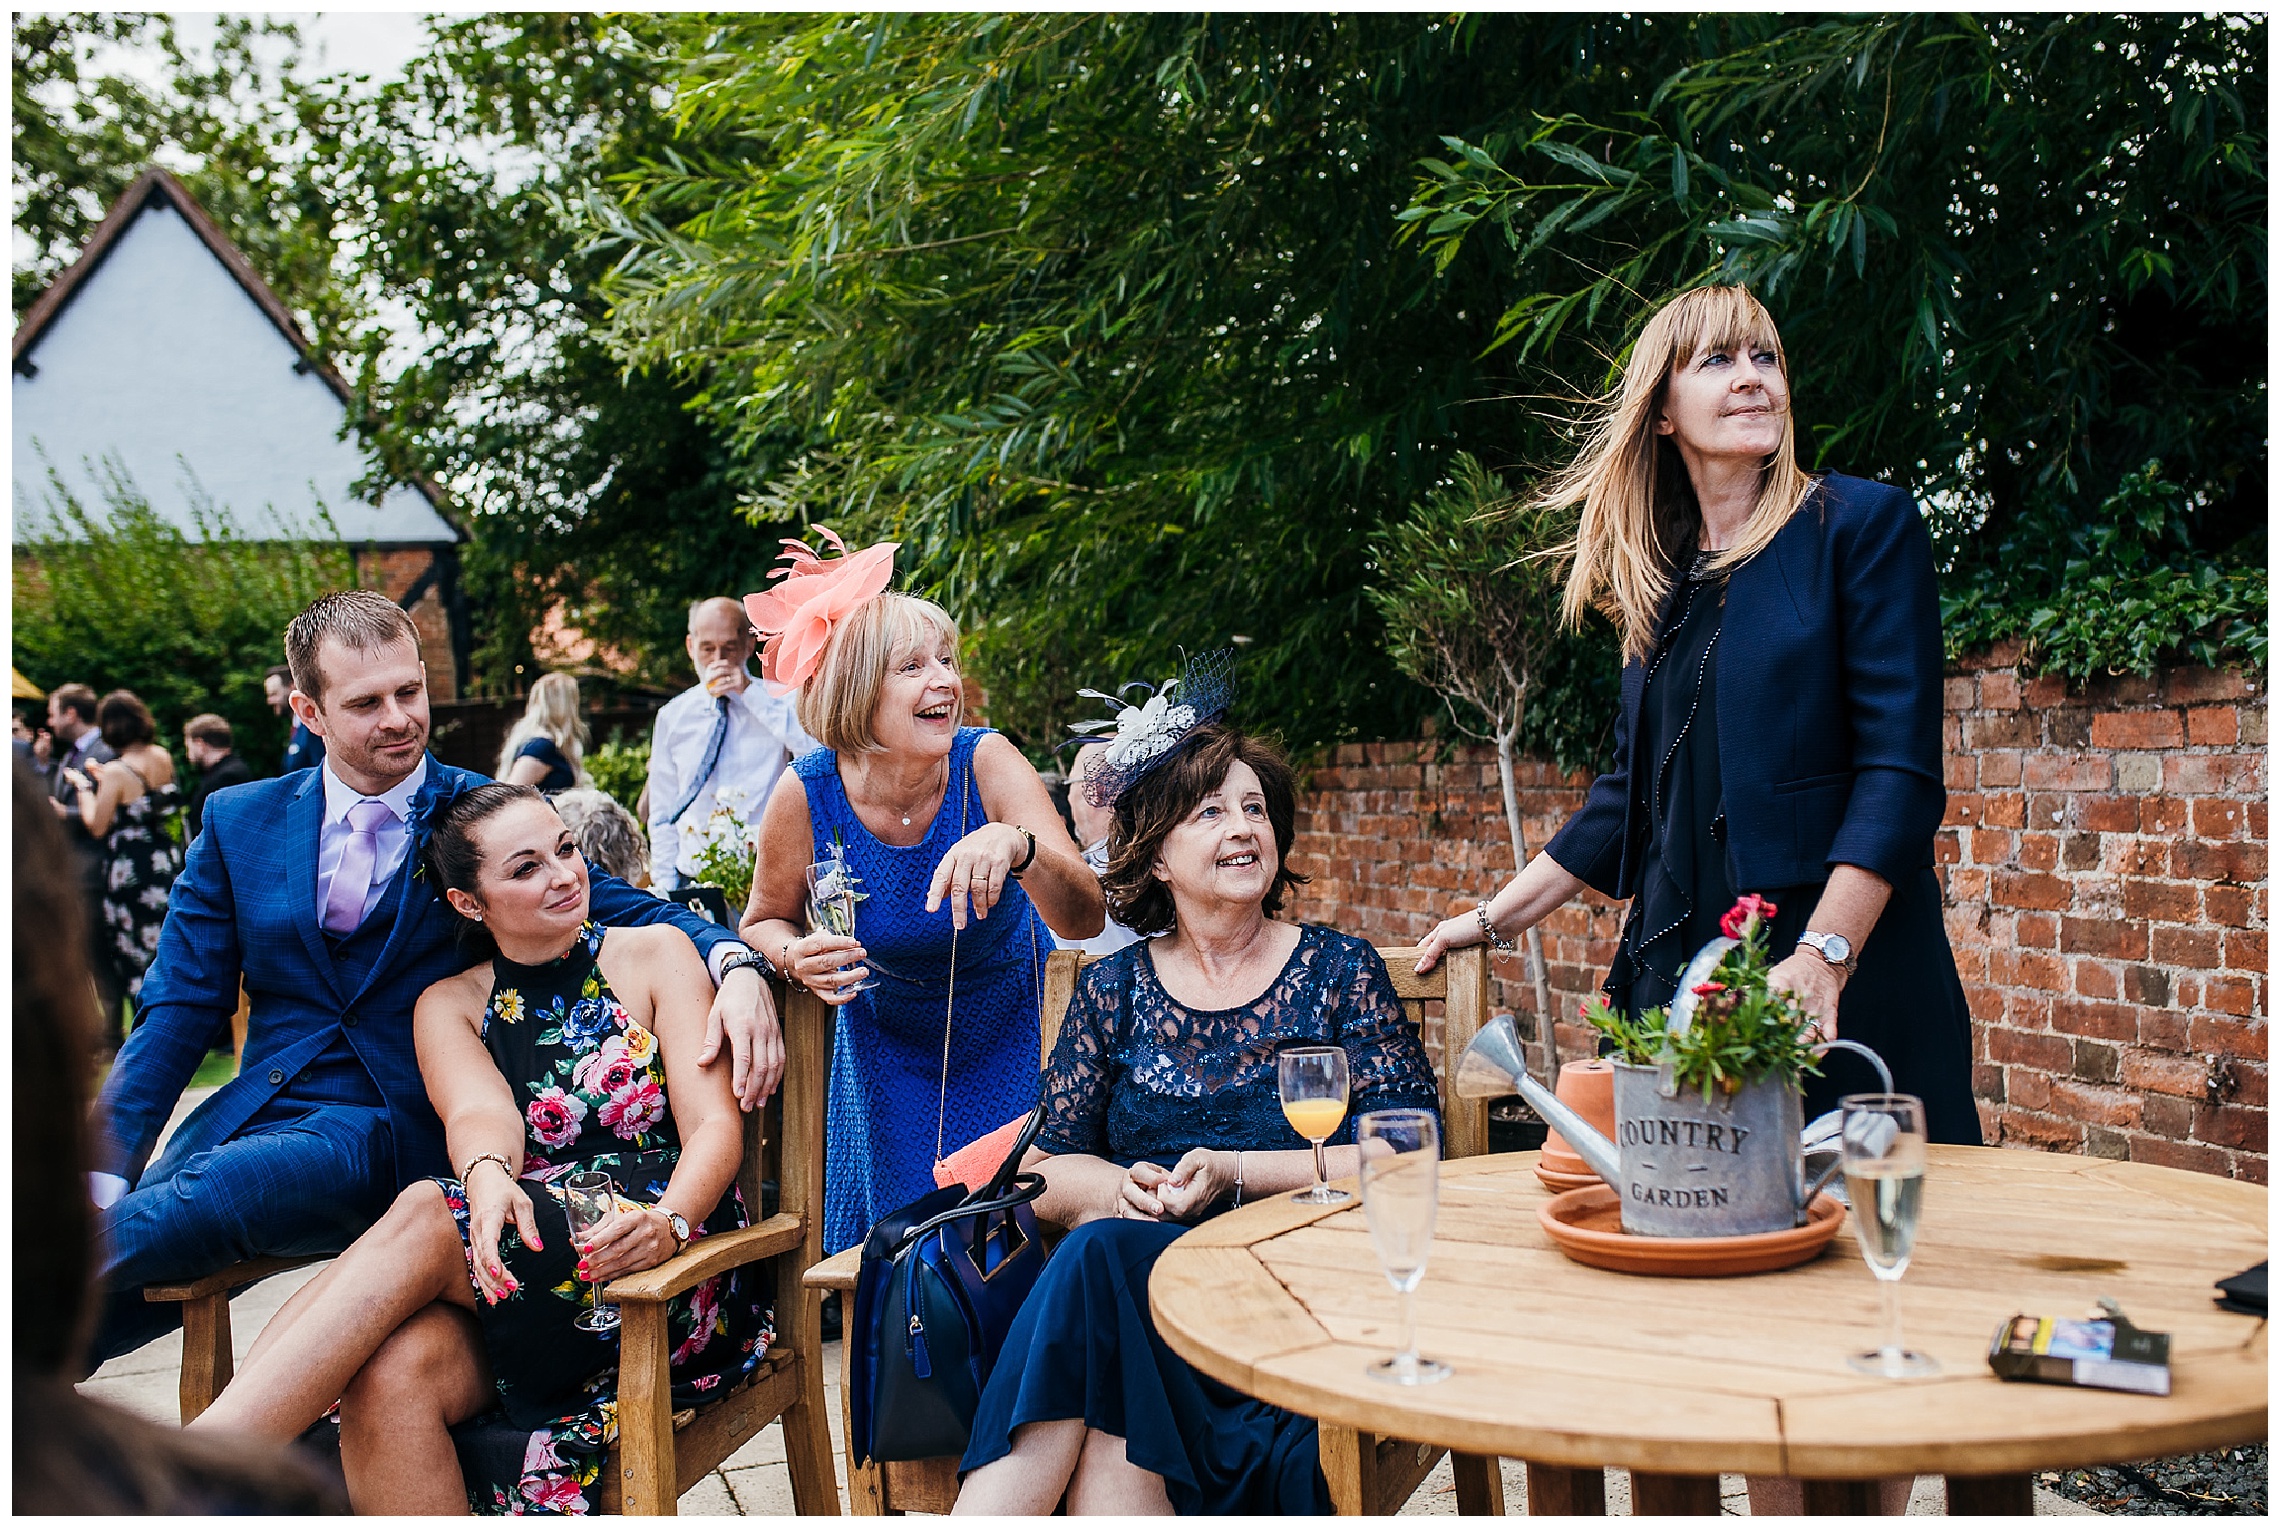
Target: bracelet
(1488,929)
(1238,1181)
(1027,859)
(489,1156)
(739,959)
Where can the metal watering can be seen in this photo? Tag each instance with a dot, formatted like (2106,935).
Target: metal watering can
(1733,1165)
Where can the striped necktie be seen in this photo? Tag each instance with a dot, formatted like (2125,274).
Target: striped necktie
(712,758)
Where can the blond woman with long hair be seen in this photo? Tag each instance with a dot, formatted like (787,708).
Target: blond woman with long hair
(547,748)
(1780,723)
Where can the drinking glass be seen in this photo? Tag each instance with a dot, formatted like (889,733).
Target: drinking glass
(833,892)
(1401,1189)
(1883,1135)
(1313,1082)
(591,1199)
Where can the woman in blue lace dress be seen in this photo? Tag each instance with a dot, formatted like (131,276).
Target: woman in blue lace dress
(960,859)
(1161,1108)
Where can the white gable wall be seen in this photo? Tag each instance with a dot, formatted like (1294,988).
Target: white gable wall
(161,354)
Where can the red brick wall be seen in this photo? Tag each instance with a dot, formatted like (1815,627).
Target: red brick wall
(394,573)
(2104,857)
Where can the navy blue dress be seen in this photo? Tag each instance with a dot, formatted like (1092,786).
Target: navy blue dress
(1136,1075)
(559,775)
(887,1083)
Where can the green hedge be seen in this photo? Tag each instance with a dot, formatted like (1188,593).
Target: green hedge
(125,599)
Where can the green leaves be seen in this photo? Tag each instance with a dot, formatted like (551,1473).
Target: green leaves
(1742,1030)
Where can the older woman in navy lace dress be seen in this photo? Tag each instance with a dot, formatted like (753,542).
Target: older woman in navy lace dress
(1161,1108)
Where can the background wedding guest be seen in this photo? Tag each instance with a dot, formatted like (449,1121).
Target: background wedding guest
(725,733)
(124,806)
(212,751)
(73,1454)
(303,748)
(77,744)
(607,834)
(1093,824)
(34,745)
(547,747)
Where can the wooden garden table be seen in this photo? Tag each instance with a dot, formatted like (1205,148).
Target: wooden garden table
(1571,1368)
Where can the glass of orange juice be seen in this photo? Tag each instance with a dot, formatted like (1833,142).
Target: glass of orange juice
(1313,1081)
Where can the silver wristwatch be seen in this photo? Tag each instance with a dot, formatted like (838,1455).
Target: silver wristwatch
(1836,949)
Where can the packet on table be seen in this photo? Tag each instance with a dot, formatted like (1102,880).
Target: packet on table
(2103,1352)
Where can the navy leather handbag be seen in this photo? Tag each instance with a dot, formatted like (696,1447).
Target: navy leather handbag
(940,1283)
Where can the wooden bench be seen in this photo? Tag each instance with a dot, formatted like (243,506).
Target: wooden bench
(1367,1474)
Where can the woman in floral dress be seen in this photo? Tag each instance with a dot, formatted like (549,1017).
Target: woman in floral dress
(573,1050)
(125,804)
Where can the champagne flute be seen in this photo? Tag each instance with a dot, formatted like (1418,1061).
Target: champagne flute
(1401,1190)
(590,1199)
(1883,1136)
(832,896)
(1313,1083)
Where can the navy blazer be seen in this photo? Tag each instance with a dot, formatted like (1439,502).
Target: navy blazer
(1829,707)
(246,902)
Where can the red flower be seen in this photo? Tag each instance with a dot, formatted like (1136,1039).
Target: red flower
(633,1108)
(554,1117)
(1742,915)
(1704,989)
(557,1493)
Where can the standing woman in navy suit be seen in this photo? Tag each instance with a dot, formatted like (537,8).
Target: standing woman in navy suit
(1780,722)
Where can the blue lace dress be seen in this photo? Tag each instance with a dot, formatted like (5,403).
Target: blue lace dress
(886,1055)
(1136,1075)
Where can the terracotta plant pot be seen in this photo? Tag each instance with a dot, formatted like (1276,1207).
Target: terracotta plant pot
(1587,1087)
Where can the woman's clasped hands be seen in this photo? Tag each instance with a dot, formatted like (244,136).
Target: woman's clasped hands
(1181,1193)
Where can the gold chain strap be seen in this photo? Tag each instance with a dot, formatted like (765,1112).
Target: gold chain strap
(949,1002)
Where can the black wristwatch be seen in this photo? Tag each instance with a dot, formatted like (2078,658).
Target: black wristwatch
(747,957)
(1027,859)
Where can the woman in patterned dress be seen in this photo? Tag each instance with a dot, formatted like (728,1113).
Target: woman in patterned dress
(574,1050)
(125,804)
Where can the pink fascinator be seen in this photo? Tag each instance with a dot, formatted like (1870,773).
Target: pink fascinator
(797,615)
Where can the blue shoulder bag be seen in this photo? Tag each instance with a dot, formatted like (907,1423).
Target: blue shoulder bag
(940,1283)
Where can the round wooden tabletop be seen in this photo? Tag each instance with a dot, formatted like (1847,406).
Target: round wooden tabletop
(1561,1364)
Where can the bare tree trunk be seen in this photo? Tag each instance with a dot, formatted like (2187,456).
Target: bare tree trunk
(1547,1025)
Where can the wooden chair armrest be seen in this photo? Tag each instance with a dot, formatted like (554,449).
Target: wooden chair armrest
(708,1256)
(232,1277)
(837,1271)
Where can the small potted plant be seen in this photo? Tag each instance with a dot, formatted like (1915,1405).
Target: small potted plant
(1708,1106)
(1736,1029)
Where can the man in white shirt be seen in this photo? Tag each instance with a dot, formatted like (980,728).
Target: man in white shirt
(725,741)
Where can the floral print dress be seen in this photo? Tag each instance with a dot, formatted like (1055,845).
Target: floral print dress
(592,1086)
(140,862)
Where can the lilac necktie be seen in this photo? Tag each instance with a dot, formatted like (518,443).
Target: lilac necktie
(344,904)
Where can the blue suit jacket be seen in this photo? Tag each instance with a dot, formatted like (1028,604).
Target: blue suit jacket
(246,902)
(1829,707)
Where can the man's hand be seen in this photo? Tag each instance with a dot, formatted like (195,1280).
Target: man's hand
(745,1013)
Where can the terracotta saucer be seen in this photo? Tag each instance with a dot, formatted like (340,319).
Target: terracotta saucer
(1587,1223)
(1559,1182)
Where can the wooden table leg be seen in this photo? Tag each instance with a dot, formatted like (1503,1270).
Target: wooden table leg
(1990,1495)
(1556,1491)
(1673,1495)
(1843,1498)
(1480,1484)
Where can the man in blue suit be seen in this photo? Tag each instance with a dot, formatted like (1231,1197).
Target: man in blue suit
(310,887)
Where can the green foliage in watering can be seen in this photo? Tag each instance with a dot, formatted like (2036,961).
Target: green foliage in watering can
(1742,1031)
